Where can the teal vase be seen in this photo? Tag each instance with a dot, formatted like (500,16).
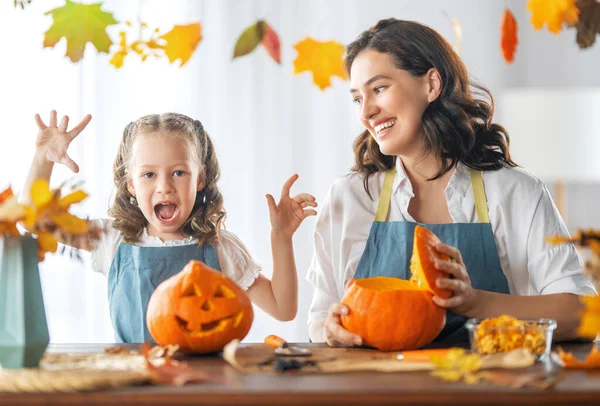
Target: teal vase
(23,327)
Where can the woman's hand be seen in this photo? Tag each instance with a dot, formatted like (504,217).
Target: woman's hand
(335,334)
(464,297)
(53,139)
(289,213)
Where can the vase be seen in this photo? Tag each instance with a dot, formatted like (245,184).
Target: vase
(23,328)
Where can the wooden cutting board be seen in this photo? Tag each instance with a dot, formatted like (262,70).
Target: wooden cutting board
(260,359)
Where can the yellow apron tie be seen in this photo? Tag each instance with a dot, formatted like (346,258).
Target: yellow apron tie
(386,195)
(479,195)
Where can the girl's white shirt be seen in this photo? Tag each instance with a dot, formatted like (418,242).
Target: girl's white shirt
(235,259)
(521,214)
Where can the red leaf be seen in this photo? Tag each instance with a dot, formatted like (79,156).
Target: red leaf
(509,38)
(271,43)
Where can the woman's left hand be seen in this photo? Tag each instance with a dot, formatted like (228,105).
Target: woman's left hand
(289,213)
(463,298)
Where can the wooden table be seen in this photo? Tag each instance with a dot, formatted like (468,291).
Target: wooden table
(364,388)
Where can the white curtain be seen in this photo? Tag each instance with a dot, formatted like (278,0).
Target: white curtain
(267,123)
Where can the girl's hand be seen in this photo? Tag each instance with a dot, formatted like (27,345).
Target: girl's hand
(53,140)
(289,213)
(463,299)
(335,334)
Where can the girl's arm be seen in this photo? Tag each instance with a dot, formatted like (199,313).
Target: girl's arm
(51,147)
(279,296)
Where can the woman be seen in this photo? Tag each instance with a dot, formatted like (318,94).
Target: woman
(431,155)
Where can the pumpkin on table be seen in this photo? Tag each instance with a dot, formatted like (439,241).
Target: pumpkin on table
(199,309)
(393,314)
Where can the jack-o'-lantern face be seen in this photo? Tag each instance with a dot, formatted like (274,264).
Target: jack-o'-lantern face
(200,309)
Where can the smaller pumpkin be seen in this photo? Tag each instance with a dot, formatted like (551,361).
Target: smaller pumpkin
(199,309)
(392,314)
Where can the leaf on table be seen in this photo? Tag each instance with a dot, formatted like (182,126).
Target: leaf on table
(553,13)
(79,24)
(509,38)
(592,360)
(322,59)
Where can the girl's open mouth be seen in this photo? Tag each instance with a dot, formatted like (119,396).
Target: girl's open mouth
(166,212)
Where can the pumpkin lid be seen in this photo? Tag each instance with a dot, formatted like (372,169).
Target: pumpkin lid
(422,267)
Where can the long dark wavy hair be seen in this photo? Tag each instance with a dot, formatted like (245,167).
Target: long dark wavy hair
(208,214)
(456,126)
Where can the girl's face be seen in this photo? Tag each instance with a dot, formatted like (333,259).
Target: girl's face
(164,179)
(389,102)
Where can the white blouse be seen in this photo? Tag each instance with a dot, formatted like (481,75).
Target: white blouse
(521,214)
(235,259)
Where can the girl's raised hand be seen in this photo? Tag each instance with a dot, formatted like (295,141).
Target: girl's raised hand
(53,139)
(287,215)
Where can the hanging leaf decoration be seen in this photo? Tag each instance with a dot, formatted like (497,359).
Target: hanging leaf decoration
(139,46)
(182,41)
(509,37)
(79,24)
(271,43)
(258,33)
(588,25)
(249,39)
(554,13)
(322,59)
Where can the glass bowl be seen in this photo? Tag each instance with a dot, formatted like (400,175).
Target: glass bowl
(504,333)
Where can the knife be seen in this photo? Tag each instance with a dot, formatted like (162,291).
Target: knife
(421,355)
(283,348)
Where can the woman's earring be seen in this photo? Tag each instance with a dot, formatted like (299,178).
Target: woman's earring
(132,201)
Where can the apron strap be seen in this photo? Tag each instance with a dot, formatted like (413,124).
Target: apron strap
(479,195)
(386,195)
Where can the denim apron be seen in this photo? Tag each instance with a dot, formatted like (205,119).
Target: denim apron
(134,274)
(390,243)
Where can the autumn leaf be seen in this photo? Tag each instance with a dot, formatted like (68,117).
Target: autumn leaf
(249,39)
(271,43)
(554,13)
(79,24)
(21,3)
(588,25)
(509,37)
(591,361)
(181,42)
(322,59)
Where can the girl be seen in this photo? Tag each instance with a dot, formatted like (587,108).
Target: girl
(430,154)
(168,210)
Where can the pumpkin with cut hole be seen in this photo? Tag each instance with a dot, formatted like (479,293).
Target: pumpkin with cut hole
(199,309)
(393,314)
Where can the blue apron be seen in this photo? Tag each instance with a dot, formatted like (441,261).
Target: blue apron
(134,274)
(390,243)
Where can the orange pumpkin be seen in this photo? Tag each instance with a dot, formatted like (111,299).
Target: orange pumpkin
(393,314)
(199,309)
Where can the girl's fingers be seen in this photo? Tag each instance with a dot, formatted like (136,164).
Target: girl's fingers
(52,119)
(307,203)
(304,197)
(64,124)
(451,302)
(453,268)
(69,163)
(308,213)
(79,127)
(40,123)
(287,186)
(451,251)
(455,285)
(271,203)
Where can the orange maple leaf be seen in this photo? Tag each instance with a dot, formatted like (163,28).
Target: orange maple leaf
(323,59)
(509,38)
(182,41)
(554,13)
(591,361)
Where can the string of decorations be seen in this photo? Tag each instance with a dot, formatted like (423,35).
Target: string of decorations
(82,23)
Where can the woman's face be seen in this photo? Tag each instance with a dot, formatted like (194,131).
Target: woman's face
(389,102)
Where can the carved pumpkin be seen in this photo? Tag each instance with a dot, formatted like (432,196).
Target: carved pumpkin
(393,314)
(200,309)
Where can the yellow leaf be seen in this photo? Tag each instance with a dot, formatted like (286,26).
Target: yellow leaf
(11,211)
(75,197)
(46,243)
(69,223)
(590,318)
(323,59)
(181,42)
(554,13)
(79,24)
(40,193)
(118,59)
